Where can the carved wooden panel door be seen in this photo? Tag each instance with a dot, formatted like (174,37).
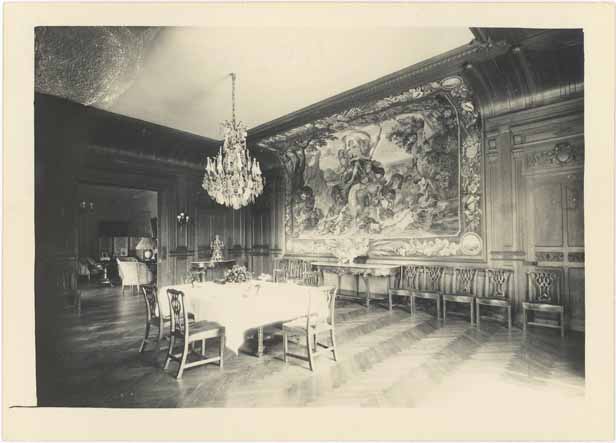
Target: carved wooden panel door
(555,227)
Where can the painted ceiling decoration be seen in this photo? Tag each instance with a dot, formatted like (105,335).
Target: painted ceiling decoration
(91,65)
(401,174)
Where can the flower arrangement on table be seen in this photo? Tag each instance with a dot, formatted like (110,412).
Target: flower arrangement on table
(349,248)
(237,274)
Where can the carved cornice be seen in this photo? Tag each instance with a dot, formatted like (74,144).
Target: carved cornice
(447,64)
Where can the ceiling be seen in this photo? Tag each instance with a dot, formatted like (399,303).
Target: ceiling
(180,78)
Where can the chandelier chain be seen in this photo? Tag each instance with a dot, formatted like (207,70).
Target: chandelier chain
(233,97)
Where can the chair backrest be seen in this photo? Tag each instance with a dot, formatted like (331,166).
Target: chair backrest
(329,293)
(150,295)
(497,283)
(297,268)
(293,268)
(409,277)
(464,281)
(134,272)
(543,285)
(432,278)
(311,278)
(179,314)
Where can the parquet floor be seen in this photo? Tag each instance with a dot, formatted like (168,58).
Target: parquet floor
(385,360)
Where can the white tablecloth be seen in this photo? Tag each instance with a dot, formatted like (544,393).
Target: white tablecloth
(240,307)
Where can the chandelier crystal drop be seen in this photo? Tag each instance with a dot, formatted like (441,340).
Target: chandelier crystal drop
(233,178)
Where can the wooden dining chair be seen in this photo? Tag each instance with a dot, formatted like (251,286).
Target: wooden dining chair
(310,326)
(409,284)
(190,332)
(290,269)
(496,292)
(543,292)
(463,291)
(311,278)
(431,287)
(153,316)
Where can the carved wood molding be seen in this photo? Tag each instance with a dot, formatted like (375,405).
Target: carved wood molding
(576,257)
(563,154)
(550,256)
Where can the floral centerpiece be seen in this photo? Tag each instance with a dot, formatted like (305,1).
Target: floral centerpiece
(236,274)
(348,249)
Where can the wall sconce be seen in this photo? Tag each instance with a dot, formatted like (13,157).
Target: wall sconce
(183,218)
(86,206)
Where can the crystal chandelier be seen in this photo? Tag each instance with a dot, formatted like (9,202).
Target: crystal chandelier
(233,178)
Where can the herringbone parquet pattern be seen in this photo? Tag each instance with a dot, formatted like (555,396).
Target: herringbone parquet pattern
(385,360)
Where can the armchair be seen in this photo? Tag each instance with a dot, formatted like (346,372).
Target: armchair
(134,273)
(87,267)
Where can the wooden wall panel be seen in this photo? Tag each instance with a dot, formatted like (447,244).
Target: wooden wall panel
(576,298)
(547,214)
(574,198)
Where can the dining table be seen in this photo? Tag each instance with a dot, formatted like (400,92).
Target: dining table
(247,306)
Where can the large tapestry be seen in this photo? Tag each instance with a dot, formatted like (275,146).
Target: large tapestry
(400,175)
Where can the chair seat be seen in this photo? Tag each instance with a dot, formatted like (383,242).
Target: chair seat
(459,298)
(299,326)
(545,307)
(204,325)
(400,292)
(493,302)
(433,295)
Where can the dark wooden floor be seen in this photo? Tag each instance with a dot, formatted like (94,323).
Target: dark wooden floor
(385,360)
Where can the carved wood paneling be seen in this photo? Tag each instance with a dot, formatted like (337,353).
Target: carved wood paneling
(547,214)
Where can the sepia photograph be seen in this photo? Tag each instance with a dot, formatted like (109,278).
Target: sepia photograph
(421,227)
(361,217)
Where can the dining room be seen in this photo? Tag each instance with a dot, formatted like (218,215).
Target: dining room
(362,234)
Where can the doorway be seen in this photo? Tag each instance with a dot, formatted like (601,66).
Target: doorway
(115,223)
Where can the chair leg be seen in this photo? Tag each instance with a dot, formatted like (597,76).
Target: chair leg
(309,346)
(389,305)
(333,337)
(222,351)
(509,317)
(161,326)
(524,319)
(472,313)
(170,351)
(444,309)
(478,316)
(285,346)
(145,338)
(562,324)
(183,360)
(413,305)
(203,348)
